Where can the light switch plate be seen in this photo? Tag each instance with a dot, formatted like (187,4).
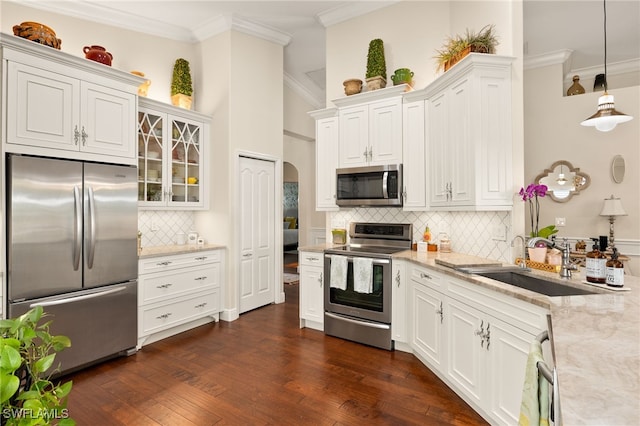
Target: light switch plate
(561,221)
(499,233)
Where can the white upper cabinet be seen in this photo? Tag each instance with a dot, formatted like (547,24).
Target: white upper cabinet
(469,136)
(57,105)
(172,165)
(414,191)
(370,125)
(326,158)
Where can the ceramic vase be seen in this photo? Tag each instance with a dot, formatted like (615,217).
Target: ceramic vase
(375,83)
(182,101)
(352,86)
(98,54)
(537,254)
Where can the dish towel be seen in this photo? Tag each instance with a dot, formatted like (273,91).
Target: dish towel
(362,275)
(339,266)
(534,409)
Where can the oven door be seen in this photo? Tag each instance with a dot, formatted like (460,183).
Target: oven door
(374,306)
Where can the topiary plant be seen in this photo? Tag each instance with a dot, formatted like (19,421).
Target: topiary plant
(376,65)
(181,80)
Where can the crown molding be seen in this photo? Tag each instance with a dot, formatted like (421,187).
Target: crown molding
(544,60)
(616,68)
(351,10)
(303,91)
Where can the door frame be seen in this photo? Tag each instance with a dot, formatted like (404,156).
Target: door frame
(278,287)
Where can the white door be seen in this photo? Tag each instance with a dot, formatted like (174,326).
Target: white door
(257,247)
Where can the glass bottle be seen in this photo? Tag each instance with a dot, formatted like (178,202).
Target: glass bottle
(596,265)
(576,88)
(615,271)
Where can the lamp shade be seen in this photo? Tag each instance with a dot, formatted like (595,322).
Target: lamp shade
(612,207)
(607,117)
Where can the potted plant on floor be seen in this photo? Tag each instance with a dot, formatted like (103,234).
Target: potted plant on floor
(28,351)
(456,48)
(181,85)
(376,75)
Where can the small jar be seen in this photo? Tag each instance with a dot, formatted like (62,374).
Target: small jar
(445,243)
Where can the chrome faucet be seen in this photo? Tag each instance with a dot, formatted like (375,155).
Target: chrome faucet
(566,267)
(522,264)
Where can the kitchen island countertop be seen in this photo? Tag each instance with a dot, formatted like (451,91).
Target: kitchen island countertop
(157,251)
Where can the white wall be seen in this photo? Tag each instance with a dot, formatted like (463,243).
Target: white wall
(553,132)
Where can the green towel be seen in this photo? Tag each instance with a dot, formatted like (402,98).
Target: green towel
(534,409)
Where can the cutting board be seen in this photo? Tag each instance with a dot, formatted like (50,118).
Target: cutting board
(465,261)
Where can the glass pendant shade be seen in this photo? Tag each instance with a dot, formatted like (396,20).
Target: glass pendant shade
(606,118)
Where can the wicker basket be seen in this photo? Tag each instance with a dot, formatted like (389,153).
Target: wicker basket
(537,265)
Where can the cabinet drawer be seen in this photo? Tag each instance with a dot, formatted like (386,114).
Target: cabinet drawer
(166,263)
(311,259)
(163,285)
(161,316)
(426,277)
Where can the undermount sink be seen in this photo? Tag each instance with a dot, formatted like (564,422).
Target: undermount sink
(520,278)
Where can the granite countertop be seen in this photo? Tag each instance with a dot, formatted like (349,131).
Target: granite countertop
(156,251)
(596,341)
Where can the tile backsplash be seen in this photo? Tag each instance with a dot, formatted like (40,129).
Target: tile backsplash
(470,232)
(159,228)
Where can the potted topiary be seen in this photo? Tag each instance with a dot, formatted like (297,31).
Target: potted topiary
(456,48)
(27,395)
(181,86)
(376,75)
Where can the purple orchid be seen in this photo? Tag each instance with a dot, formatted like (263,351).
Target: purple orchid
(531,194)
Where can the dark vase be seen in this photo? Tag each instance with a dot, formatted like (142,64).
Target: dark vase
(98,54)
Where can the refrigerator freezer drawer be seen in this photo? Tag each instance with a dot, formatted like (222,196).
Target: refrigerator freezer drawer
(101,322)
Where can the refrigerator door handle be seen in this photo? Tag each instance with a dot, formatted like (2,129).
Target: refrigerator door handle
(77,232)
(77,298)
(92,228)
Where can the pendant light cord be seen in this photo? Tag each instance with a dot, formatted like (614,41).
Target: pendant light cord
(605,46)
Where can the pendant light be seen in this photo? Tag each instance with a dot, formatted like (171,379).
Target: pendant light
(606,118)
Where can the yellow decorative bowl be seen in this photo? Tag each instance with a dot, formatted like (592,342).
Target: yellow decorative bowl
(37,32)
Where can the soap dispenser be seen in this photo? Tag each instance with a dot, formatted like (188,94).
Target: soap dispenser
(615,271)
(596,265)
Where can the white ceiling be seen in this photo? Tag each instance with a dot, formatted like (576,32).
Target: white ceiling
(299,26)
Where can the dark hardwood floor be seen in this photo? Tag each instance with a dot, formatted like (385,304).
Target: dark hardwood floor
(263,370)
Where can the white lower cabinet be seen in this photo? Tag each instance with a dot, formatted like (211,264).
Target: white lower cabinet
(475,339)
(399,293)
(311,290)
(178,292)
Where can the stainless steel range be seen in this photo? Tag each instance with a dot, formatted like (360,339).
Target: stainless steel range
(357,297)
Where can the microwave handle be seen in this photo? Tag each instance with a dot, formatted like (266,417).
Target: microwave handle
(385,189)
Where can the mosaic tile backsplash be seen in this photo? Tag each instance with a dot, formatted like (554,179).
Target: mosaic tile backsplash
(159,228)
(470,232)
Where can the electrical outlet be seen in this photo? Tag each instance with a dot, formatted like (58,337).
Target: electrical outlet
(499,233)
(561,221)
(154,225)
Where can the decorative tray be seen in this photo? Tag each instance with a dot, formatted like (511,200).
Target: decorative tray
(537,265)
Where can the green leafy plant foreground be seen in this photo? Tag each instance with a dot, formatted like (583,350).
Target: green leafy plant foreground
(27,352)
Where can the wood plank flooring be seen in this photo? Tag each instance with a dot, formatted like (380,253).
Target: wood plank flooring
(263,370)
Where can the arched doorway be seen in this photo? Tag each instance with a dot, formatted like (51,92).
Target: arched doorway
(291,223)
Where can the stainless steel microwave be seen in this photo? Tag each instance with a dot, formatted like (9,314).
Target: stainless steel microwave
(369,186)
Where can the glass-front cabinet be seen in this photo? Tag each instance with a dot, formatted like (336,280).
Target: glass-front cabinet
(171,157)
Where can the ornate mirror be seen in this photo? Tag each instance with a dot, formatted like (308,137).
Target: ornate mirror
(563,180)
(617,169)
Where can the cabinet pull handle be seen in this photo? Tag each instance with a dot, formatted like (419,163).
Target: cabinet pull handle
(440,312)
(200,278)
(164,285)
(398,278)
(165,263)
(201,258)
(312,259)
(247,255)
(366,155)
(423,275)
(487,335)
(201,305)
(370,153)
(481,331)
(164,316)
(84,136)
(320,279)
(76,135)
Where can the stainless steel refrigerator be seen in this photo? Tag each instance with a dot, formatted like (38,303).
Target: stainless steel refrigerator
(72,248)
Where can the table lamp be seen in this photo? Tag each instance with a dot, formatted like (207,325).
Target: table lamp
(612,207)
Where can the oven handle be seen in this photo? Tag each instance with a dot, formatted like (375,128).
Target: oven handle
(355,321)
(375,260)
